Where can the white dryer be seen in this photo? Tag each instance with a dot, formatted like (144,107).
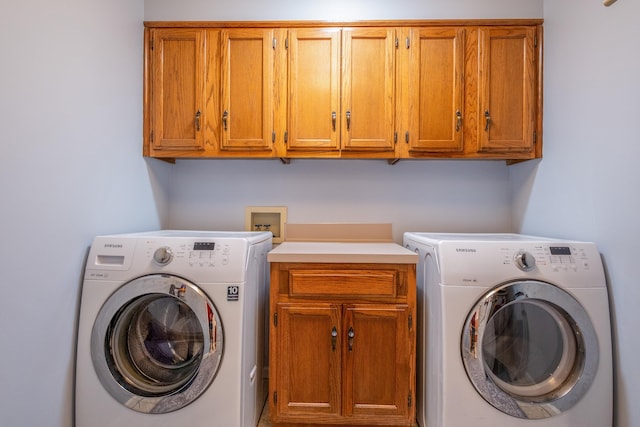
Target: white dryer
(171,330)
(515,332)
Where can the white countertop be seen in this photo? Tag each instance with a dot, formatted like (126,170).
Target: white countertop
(342,252)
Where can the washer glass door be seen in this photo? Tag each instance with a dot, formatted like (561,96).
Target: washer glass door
(157,343)
(530,349)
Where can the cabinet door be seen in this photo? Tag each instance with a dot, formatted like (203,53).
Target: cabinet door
(177,89)
(378,361)
(308,360)
(507,101)
(314,89)
(436,71)
(247,89)
(368,89)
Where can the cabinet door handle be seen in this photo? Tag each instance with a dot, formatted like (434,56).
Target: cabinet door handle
(487,119)
(225,116)
(350,334)
(458,120)
(197,120)
(334,338)
(334,116)
(348,119)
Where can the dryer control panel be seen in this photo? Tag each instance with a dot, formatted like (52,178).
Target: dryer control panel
(556,258)
(483,263)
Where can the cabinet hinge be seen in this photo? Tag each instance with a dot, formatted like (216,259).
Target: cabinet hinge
(410,321)
(275,397)
(275,319)
(286,136)
(274,43)
(409,402)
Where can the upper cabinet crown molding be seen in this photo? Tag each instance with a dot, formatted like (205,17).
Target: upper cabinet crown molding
(364,89)
(319,23)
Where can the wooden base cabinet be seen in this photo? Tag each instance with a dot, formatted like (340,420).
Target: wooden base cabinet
(342,344)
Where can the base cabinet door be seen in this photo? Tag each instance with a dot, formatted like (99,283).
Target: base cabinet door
(377,361)
(309,360)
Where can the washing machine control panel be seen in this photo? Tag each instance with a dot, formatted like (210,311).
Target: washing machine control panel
(194,254)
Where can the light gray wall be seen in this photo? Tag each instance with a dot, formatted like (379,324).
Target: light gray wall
(411,195)
(336,10)
(70,168)
(71,112)
(586,186)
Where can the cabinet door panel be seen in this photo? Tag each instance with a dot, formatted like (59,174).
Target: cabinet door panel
(247,89)
(368,89)
(309,359)
(314,88)
(436,71)
(177,89)
(378,360)
(507,89)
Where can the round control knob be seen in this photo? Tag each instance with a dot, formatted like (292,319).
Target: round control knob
(163,255)
(525,261)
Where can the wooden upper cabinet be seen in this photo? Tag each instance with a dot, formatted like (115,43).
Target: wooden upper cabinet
(177,89)
(436,105)
(507,95)
(387,90)
(246,114)
(368,89)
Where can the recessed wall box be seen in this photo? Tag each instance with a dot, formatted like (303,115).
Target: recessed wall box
(266,218)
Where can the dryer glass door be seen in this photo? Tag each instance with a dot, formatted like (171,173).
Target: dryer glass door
(157,343)
(528,348)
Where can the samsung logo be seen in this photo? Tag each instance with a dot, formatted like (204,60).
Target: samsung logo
(465,250)
(113,245)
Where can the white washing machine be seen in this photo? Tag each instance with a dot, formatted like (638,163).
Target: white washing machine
(171,330)
(515,332)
